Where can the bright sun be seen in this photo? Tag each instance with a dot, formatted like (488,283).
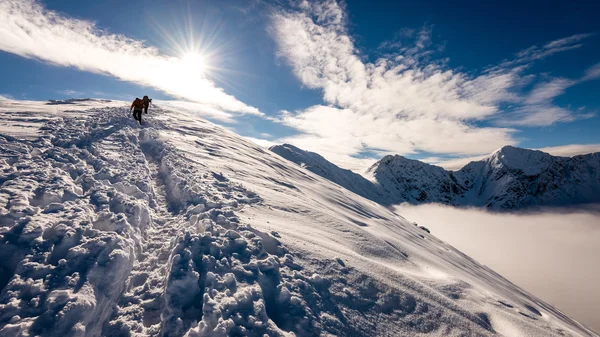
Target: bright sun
(194,63)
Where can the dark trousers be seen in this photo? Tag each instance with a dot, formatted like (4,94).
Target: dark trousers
(137,115)
(146,109)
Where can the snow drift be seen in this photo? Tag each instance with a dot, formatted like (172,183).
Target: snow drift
(182,228)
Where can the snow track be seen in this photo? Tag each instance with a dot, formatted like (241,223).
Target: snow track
(91,203)
(140,304)
(105,234)
(112,229)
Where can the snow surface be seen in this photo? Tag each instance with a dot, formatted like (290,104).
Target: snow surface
(315,163)
(182,228)
(511,178)
(24,119)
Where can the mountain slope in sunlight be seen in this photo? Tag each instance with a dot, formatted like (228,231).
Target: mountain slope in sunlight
(182,228)
(320,166)
(510,178)
(515,178)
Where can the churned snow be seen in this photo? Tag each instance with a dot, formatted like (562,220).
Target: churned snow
(182,228)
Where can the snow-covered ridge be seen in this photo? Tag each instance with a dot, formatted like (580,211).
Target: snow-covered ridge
(514,178)
(413,181)
(510,178)
(315,163)
(77,101)
(182,228)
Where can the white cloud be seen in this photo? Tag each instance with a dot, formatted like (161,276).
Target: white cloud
(204,110)
(71,93)
(571,149)
(536,53)
(561,151)
(538,108)
(348,132)
(546,91)
(539,115)
(592,73)
(567,41)
(553,254)
(261,142)
(357,165)
(453,164)
(404,102)
(29,30)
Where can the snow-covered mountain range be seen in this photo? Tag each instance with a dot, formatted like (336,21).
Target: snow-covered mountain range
(510,178)
(183,228)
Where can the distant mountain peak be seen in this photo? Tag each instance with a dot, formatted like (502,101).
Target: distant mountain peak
(509,178)
(398,162)
(512,151)
(530,162)
(286,146)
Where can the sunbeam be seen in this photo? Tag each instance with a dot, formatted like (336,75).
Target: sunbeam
(195,63)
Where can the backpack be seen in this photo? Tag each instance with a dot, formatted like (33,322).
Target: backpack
(138,104)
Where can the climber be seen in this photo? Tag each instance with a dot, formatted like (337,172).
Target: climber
(147,102)
(137,107)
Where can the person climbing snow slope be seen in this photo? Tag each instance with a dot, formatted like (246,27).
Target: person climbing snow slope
(147,102)
(137,106)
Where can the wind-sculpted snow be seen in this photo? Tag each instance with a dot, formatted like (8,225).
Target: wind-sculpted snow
(182,228)
(319,165)
(511,178)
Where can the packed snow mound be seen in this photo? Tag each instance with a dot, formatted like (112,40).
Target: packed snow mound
(510,178)
(182,228)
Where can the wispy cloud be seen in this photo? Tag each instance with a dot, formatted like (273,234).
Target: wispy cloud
(406,101)
(592,73)
(453,164)
(261,142)
(71,92)
(571,149)
(537,107)
(534,53)
(544,92)
(29,30)
(561,151)
(204,110)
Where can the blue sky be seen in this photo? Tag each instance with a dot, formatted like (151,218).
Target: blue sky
(439,81)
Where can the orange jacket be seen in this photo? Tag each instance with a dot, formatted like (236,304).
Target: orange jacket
(137,104)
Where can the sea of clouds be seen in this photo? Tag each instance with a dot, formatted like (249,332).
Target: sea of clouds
(552,253)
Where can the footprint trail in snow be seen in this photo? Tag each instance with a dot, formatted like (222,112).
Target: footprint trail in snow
(105,212)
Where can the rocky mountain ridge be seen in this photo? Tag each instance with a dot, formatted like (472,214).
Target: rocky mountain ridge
(510,178)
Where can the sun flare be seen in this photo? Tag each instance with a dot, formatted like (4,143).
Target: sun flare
(194,62)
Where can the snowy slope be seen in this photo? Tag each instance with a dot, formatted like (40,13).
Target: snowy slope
(315,163)
(510,178)
(182,228)
(24,118)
